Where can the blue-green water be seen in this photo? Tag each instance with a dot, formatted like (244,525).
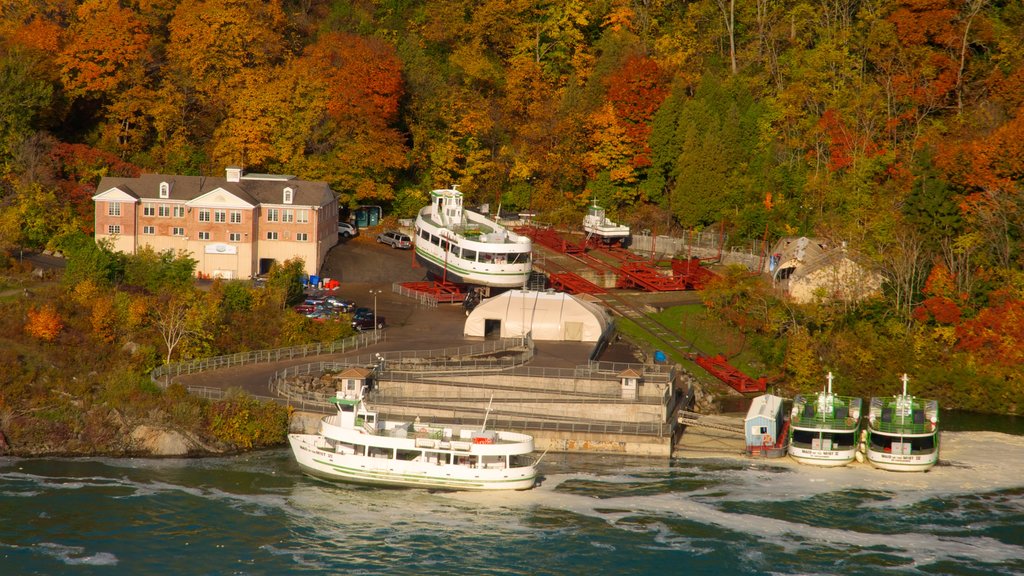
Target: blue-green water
(256,514)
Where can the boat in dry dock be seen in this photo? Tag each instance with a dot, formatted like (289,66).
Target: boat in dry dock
(356,446)
(464,247)
(824,428)
(597,225)
(902,433)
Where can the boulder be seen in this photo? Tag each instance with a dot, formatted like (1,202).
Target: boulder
(160,442)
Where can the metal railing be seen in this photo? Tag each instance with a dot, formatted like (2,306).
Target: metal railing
(361,340)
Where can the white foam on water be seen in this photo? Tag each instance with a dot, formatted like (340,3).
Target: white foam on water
(973,463)
(73,555)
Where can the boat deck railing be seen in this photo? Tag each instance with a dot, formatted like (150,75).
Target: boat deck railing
(827,422)
(907,427)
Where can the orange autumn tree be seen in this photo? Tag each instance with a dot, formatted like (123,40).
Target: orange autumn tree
(362,80)
(988,171)
(636,90)
(106,50)
(44,323)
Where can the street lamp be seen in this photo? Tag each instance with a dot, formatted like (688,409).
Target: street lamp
(375,322)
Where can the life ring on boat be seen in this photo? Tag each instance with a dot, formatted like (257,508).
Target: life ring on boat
(767,440)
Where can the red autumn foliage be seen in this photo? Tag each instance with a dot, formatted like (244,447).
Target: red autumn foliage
(636,91)
(79,168)
(921,22)
(364,77)
(939,309)
(996,335)
(844,143)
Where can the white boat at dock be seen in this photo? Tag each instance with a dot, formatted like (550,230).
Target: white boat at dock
(463,247)
(597,225)
(355,446)
(824,428)
(902,433)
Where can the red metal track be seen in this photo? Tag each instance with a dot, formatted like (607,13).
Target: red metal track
(441,291)
(692,273)
(720,368)
(550,239)
(639,275)
(574,284)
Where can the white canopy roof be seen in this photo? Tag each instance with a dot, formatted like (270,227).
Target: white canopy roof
(546,315)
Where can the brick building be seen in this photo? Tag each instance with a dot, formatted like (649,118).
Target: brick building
(235,227)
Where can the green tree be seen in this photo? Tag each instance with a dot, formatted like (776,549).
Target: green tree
(285,281)
(25,96)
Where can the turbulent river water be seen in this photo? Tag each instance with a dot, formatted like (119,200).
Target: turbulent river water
(257,514)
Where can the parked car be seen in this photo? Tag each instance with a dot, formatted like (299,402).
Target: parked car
(346,230)
(340,304)
(368,322)
(362,311)
(395,239)
(305,308)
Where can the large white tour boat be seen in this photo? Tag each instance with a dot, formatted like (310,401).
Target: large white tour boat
(355,446)
(903,433)
(464,247)
(596,224)
(824,428)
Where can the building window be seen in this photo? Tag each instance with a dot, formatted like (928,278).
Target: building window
(302,216)
(271,235)
(302,237)
(236,216)
(179,211)
(177,231)
(288,195)
(288,216)
(148,230)
(272,215)
(114,209)
(204,215)
(204,235)
(220,216)
(165,190)
(164,210)
(149,210)
(114,229)
(235,237)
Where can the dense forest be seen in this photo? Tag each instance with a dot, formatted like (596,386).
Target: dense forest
(892,125)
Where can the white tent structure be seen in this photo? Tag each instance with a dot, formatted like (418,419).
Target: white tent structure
(544,315)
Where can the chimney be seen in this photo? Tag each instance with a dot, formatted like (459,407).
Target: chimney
(234,174)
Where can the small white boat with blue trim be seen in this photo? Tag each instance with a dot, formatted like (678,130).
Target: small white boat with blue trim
(355,446)
(903,433)
(463,247)
(824,428)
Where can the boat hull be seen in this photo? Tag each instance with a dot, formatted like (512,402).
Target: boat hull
(826,458)
(896,462)
(458,273)
(358,469)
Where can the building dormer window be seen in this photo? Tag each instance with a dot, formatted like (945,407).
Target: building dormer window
(165,190)
(288,195)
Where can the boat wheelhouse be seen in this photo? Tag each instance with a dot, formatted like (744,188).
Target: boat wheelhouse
(597,225)
(903,433)
(356,446)
(824,428)
(464,247)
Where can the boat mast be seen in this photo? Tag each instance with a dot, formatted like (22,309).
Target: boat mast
(487,414)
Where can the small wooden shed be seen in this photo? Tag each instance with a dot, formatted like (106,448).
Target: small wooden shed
(764,421)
